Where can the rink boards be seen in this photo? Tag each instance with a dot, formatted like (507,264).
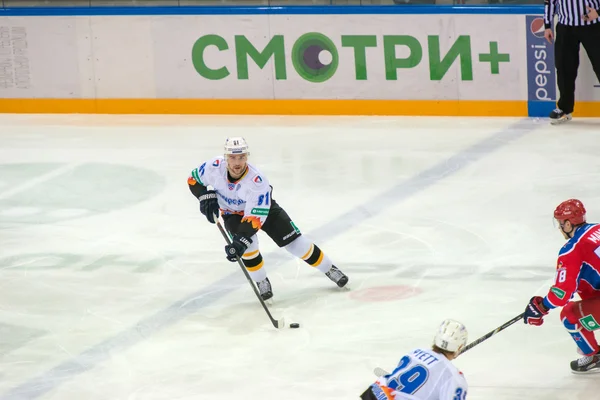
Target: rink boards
(470,61)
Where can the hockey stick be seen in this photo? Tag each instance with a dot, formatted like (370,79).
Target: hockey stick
(381,372)
(276,323)
(492,333)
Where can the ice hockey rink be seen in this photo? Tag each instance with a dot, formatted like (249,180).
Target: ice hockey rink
(114,286)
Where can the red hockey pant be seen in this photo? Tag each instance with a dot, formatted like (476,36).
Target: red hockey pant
(582,318)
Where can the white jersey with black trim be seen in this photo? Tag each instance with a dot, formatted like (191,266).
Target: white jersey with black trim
(249,196)
(422,375)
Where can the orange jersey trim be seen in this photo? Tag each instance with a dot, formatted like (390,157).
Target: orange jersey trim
(254,221)
(223,211)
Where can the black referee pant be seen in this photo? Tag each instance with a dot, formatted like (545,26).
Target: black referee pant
(566,57)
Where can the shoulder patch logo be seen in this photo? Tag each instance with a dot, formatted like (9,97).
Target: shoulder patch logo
(257,179)
(196,176)
(216,163)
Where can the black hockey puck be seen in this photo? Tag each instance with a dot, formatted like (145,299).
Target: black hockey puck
(295,325)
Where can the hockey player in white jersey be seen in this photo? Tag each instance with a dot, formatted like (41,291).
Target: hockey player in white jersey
(426,374)
(244,198)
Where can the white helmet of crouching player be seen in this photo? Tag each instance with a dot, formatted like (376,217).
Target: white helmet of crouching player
(451,337)
(236,156)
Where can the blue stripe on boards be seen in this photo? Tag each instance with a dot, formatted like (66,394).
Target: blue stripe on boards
(288,10)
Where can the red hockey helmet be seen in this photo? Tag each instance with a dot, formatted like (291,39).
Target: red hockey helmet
(572,210)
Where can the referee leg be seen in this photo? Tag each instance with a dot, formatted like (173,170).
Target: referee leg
(566,55)
(591,43)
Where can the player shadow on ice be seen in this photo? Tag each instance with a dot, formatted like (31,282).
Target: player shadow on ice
(592,123)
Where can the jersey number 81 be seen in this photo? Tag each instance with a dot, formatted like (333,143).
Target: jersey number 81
(263,198)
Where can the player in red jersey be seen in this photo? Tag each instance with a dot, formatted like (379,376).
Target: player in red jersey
(577,271)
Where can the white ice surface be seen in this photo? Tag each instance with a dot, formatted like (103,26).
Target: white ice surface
(113,285)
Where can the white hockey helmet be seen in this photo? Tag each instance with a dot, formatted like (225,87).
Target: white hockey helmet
(236,145)
(451,336)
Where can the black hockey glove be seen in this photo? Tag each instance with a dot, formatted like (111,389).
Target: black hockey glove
(238,246)
(209,205)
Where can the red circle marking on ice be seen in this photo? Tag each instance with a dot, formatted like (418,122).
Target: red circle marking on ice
(385,293)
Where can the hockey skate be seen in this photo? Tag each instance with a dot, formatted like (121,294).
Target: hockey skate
(558,116)
(337,276)
(264,287)
(586,365)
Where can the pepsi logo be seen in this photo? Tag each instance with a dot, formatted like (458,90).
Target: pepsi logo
(537,27)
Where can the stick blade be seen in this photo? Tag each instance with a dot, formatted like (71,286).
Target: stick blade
(279,324)
(380,372)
